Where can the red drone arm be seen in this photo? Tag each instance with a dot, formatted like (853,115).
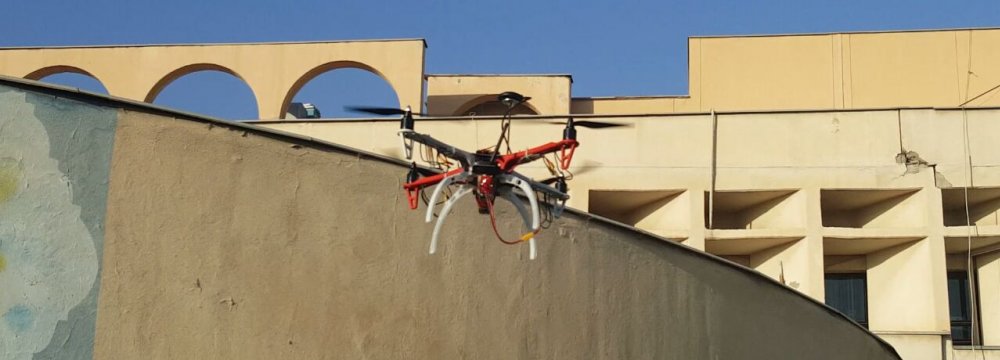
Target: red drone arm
(413,188)
(567,147)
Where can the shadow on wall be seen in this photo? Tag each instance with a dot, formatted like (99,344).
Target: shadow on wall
(472,105)
(581,106)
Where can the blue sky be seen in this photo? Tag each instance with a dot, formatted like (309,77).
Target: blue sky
(610,47)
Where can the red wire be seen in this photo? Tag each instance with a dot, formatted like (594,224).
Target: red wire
(493,221)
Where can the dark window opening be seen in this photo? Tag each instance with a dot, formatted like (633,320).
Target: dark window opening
(848,293)
(960,308)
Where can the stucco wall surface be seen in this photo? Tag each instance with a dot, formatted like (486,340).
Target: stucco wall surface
(225,241)
(54,161)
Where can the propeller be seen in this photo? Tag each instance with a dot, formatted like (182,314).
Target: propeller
(591,124)
(379,110)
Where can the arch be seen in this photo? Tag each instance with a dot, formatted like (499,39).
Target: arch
(190,69)
(40,74)
(490,101)
(327,67)
(57,69)
(156,91)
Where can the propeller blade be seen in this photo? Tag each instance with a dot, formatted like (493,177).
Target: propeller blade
(592,124)
(375,110)
(378,110)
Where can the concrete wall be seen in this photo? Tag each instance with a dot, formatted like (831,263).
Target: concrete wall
(274,72)
(224,241)
(55,156)
(941,68)
(450,95)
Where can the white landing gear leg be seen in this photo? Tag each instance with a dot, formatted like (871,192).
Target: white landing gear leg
(508,194)
(533,200)
(464,190)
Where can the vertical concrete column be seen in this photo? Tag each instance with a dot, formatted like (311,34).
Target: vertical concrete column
(409,86)
(907,283)
(270,89)
(269,105)
(937,257)
(579,198)
(697,226)
(988,270)
(814,284)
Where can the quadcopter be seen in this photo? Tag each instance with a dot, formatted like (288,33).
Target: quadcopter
(488,173)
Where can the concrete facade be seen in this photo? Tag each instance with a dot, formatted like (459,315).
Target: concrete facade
(222,240)
(823,156)
(943,68)
(274,72)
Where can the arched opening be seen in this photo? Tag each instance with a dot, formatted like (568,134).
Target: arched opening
(206,89)
(331,87)
(488,105)
(69,76)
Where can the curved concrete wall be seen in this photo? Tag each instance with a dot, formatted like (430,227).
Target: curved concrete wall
(228,241)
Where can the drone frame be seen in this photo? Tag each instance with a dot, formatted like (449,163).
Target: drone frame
(487,175)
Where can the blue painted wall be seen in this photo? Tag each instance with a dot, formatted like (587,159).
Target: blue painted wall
(55,157)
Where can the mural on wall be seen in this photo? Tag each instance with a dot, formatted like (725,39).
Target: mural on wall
(54,160)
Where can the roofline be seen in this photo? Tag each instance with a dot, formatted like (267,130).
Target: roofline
(860,32)
(82,95)
(208,44)
(631,97)
(498,75)
(570,76)
(619,116)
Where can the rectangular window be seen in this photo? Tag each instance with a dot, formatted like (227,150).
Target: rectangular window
(959,307)
(848,293)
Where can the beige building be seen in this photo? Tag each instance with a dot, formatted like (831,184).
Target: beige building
(859,169)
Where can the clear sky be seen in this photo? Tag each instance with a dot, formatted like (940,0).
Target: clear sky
(610,47)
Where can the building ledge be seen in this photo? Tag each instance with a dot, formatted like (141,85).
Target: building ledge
(977,347)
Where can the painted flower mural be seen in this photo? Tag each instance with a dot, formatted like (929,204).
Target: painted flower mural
(48,260)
